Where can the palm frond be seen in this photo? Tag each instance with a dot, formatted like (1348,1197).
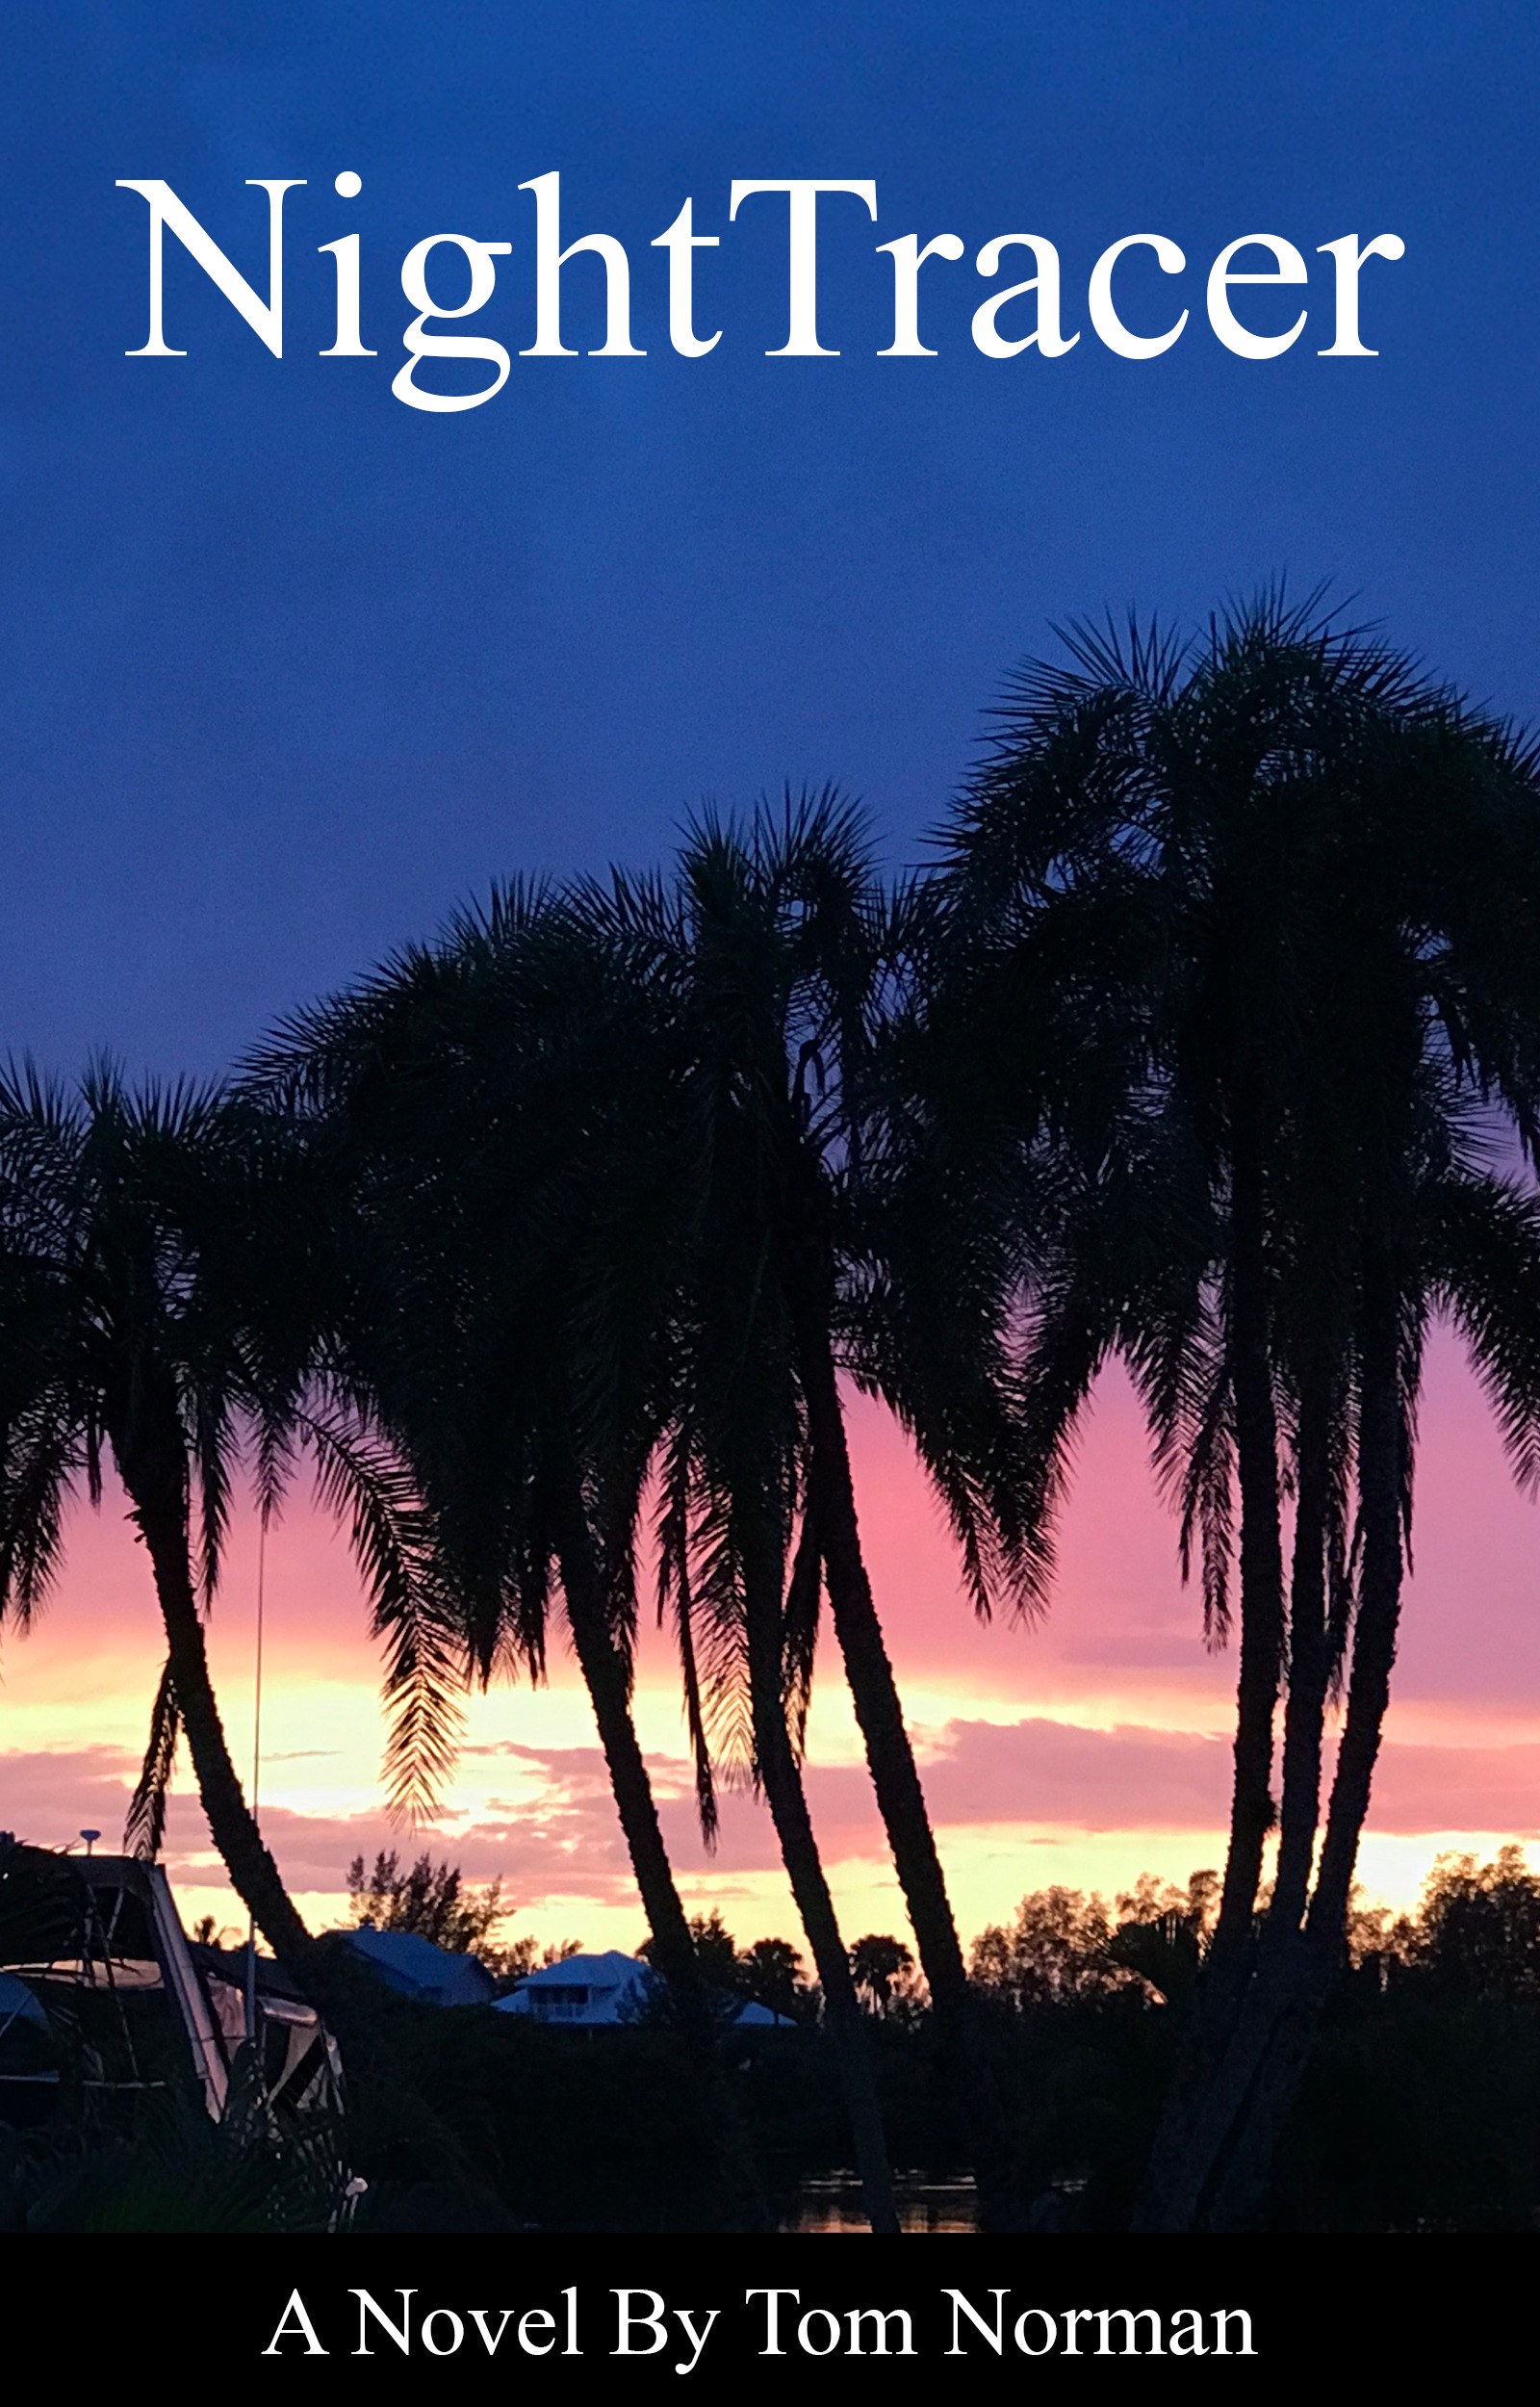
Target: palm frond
(361,1480)
(144,1825)
(799,1630)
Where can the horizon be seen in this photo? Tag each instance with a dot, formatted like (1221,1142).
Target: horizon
(1080,1756)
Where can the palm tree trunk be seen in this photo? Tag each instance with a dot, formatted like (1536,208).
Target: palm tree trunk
(1305,1708)
(606,1674)
(787,1801)
(1256,1446)
(1193,2121)
(1220,2118)
(895,1777)
(154,1472)
(1314,1961)
(808,1271)
(1383,1446)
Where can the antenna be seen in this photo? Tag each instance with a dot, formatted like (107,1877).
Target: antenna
(256,1717)
(256,1767)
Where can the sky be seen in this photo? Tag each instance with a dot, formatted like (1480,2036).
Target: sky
(291,669)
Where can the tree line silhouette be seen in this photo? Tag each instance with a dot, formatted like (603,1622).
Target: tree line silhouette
(1201,1045)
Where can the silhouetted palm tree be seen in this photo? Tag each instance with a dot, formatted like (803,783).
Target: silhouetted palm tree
(606,1145)
(715,1115)
(457,1099)
(751,1263)
(1248,945)
(539,1339)
(876,1963)
(1465,1243)
(475,1103)
(130,1326)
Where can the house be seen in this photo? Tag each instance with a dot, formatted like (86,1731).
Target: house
(593,1991)
(608,1988)
(416,1968)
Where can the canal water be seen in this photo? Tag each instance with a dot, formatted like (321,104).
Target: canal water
(831,2202)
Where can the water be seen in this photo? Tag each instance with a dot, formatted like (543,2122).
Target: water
(832,2202)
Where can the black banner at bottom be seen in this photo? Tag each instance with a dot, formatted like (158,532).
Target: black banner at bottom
(327,2318)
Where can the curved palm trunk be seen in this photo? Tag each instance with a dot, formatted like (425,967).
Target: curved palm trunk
(895,1777)
(799,1852)
(1279,2033)
(1382,1464)
(606,1674)
(832,1503)
(1186,2139)
(1277,1973)
(154,1472)
(1219,2117)
(1256,1447)
(1305,1710)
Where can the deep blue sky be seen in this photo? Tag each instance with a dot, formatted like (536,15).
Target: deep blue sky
(289,668)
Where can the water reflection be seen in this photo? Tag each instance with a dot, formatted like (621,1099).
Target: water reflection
(831,2202)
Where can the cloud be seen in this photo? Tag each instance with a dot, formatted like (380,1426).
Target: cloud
(1039,1770)
(1425,1789)
(49,1795)
(556,1833)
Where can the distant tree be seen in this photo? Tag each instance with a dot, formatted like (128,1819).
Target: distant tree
(209,1932)
(429,1900)
(1163,1933)
(877,1963)
(1153,1899)
(1055,1950)
(716,1951)
(1064,1947)
(525,1956)
(770,1971)
(1477,1926)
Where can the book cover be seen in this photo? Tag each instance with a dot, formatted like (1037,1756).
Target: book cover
(475,449)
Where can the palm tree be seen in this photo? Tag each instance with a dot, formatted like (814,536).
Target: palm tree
(131,1236)
(533,1346)
(761,987)
(1436,1232)
(467,1102)
(730,1429)
(876,1962)
(1249,936)
(449,1103)
(613,1123)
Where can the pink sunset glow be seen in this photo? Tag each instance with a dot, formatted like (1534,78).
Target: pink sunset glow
(1084,1750)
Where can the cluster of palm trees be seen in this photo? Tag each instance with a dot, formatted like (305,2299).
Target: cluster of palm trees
(1201,1046)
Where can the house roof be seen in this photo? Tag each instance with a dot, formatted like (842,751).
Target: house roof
(19,2004)
(418,1969)
(610,1968)
(588,1989)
